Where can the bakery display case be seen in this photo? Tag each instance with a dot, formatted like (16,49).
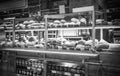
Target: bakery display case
(72,31)
(77,31)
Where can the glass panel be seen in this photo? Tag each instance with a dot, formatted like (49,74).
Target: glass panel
(74,31)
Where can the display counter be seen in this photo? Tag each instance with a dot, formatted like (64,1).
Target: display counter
(54,54)
(41,62)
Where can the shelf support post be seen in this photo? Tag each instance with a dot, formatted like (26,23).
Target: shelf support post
(93,29)
(46,31)
(13,31)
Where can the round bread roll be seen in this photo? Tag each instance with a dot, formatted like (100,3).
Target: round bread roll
(81,47)
(57,21)
(31,21)
(82,42)
(83,20)
(26,22)
(66,24)
(99,21)
(102,44)
(22,26)
(63,21)
(51,24)
(69,44)
(78,23)
(74,20)
(89,42)
(39,46)
(29,26)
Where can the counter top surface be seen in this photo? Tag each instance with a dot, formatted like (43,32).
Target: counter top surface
(54,51)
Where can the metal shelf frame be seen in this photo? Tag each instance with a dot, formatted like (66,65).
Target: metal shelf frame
(80,10)
(67,28)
